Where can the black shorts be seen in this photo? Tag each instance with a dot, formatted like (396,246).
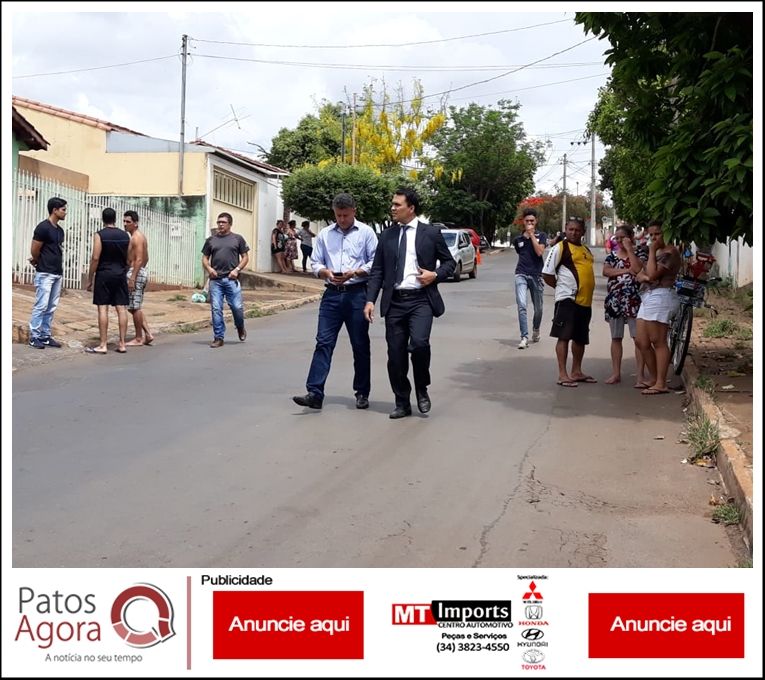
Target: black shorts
(110,289)
(571,322)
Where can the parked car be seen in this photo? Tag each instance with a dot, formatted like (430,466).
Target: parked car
(475,239)
(484,243)
(463,252)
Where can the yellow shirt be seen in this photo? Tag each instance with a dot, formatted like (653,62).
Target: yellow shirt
(585,269)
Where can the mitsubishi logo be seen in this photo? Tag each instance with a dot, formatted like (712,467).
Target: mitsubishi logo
(532,592)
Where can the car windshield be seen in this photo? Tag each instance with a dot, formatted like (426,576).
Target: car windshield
(450,239)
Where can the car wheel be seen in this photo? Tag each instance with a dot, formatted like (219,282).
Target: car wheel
(473,273)
(458,272)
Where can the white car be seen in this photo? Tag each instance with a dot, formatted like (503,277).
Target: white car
(462,251)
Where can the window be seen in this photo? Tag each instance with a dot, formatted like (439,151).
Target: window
(229,189)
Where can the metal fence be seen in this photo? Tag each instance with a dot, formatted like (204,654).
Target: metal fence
(171,239)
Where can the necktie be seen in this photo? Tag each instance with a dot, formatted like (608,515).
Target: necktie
(401,261)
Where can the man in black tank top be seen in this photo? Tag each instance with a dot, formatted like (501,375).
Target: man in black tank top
(109,265)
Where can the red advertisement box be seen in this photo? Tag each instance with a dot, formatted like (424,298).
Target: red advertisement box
(666,625)
(288,625)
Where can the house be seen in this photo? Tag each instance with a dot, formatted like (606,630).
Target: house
(198,182)
(25,137)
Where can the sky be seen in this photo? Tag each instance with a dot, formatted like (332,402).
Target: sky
(239,96)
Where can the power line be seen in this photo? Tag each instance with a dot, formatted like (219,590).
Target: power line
(391,67)
(95,68)
(501,75)
(532,87)
(419,42)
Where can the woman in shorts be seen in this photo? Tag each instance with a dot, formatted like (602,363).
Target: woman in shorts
(622,302)
(659,304)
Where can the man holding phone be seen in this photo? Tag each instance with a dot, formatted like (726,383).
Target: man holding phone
(343,257)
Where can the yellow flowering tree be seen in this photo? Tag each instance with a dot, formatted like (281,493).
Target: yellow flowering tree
(391,131)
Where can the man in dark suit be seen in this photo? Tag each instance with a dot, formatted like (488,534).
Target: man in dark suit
(405,269)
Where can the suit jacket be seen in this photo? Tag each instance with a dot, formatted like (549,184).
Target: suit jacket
(429,246)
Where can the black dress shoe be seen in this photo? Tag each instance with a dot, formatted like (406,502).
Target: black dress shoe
(400,412)
(362,401)
(423,401)
(309,400)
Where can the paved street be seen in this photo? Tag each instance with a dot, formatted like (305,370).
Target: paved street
(182,456)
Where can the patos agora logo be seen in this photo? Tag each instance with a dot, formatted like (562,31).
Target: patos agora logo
(162,628)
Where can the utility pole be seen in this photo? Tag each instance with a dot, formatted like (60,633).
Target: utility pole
(353,132)
(577,187)
(593,216)
(184,45)
(563,212)
(342,149)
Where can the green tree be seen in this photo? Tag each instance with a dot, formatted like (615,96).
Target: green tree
(310,190)
(483,167)
(685,86)
(625,169)
(316,138)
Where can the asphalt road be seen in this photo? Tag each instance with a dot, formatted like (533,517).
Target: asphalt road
(177,455)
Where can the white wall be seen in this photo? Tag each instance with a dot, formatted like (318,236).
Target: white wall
(270,209)
(735,260)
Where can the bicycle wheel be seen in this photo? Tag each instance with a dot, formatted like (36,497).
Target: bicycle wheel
(681,338)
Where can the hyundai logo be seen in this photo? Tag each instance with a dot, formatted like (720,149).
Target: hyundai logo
(532,634)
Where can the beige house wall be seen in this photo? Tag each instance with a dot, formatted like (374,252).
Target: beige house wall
(54,173)
(82,148)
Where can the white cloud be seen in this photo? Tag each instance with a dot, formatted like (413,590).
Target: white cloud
(269,96)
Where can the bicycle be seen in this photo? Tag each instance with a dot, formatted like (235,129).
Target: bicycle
(691,289)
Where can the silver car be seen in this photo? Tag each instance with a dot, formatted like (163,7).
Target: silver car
(462,251)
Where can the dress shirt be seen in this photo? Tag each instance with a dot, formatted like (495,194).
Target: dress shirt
(342,251)
(411,269)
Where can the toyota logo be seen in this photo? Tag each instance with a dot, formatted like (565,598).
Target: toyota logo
(532,634)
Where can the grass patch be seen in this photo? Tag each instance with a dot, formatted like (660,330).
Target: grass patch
(704,382)
(256,312)
(176,298)
(721,328)
(727,514)
(746,563)
(186,328)
(703,436)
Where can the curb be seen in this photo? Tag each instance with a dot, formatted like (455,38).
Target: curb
(21,330)
(734,470)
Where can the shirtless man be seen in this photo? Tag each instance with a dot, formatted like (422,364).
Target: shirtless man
(138,277)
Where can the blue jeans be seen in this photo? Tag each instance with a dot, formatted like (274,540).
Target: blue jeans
(232,291)
(535,286)
(47,294)
(335,310)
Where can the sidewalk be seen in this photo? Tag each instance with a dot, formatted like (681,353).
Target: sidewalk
(170,310)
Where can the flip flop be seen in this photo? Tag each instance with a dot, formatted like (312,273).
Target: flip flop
(640,386)
(585,379)
(568,383)
(652,390)
(120,351)
(92,350)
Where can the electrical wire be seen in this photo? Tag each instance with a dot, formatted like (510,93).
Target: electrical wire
(409,44)
(95,68)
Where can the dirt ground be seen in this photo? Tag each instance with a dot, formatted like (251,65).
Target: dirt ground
(728,360)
